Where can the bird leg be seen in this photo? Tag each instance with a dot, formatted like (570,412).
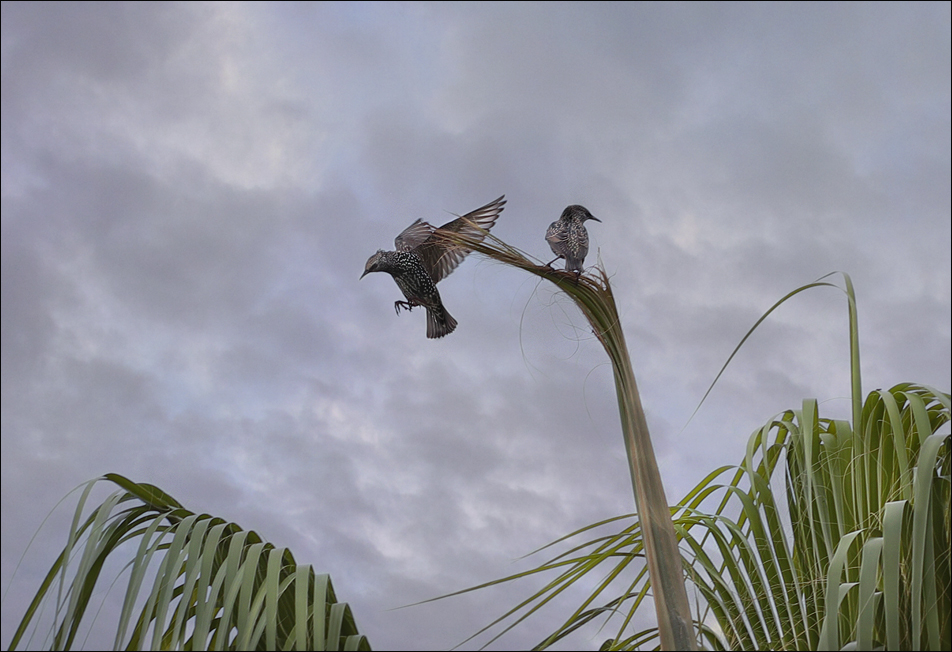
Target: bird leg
(407,305)
(549,264)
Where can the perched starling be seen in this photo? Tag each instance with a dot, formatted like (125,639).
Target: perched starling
(568,238)
(424,257)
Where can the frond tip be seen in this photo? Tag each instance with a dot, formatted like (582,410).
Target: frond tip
(591,292)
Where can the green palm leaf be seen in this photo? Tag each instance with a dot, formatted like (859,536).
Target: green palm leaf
(195,582)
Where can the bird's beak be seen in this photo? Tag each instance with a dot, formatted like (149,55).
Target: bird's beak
(592,217)
(363,275)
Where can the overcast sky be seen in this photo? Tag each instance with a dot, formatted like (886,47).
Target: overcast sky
(190,193)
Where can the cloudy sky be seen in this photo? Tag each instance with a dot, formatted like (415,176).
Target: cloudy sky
(190,193)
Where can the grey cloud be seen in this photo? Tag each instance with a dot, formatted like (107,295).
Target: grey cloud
(190,193)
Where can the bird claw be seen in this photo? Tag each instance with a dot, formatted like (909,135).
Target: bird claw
(406,305)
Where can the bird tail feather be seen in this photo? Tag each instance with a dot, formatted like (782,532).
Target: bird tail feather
(439,322)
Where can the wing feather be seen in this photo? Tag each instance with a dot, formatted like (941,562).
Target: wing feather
(441,256)
(414,235)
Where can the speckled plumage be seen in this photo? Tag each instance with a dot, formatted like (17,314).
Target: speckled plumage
(423,258)
(568,237)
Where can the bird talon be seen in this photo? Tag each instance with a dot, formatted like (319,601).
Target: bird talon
(406,305)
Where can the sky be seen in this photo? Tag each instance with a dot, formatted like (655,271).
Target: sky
(190,193)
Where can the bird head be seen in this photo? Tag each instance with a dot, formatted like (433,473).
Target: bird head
(373,263)
(578,212)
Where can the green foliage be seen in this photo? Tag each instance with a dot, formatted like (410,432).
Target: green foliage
(214,586)
(825,536)
(867,560)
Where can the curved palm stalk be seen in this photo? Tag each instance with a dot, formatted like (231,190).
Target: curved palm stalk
(593,296)
(214,585)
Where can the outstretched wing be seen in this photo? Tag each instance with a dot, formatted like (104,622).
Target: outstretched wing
(413,236)
(440,255)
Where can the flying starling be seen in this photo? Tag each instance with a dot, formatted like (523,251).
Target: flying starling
(569,239)
(424,257)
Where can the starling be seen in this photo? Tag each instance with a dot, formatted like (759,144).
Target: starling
(568,238)
(424,257)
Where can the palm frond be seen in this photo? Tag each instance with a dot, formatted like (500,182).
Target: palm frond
(195,582)
(593,295)
(828,534)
